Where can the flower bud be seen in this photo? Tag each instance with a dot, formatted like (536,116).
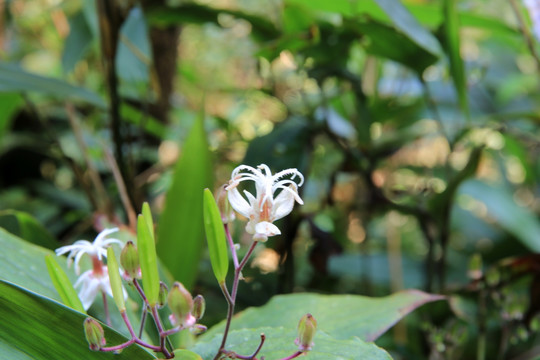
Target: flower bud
(225,209)
(199,306)
(306,330)
(129,259)
(162,296)
(180,304)
(94,334)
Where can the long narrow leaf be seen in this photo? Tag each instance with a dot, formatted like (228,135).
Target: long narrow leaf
(457,69)
(116,281)
(180,237)
(63,285)
(148,261)
(215,236)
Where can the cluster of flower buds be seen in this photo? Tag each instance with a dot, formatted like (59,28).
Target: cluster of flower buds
(185,310)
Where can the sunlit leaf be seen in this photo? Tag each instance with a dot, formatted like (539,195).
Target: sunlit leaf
(35,327)
(280,344)
(340,316)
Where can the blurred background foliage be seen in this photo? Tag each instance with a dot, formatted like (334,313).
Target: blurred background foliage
(415,123)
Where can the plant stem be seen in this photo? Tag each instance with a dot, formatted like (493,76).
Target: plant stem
(296,354)
(231,298)
(231,245)
(106,308)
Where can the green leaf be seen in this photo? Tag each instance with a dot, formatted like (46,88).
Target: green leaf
(23,263)
(35,327)
(115,280)
(340,316)
(63,285)
(10,104)
(147,214)
(262,28)
(280,343)
(14,79)
(215,236)
(77,42)
(451,29)
(407,23)
(134,54)
(27,227)
(184,354)
(148,260)
(501,207)
(180,232)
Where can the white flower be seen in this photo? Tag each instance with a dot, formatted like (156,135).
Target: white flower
(264,208)
(92,283)
(96,249)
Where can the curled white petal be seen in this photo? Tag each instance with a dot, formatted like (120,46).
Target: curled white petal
(275,197)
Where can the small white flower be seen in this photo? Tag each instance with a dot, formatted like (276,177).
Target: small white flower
(92,283)
(96,249)
(264,208)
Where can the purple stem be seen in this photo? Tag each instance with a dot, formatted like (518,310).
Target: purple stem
(162,338)
(106,308)
(231,299)
(231,245)
(296,354)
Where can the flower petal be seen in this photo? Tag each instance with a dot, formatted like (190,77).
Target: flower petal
(238,203)
(266,228)
(283,204)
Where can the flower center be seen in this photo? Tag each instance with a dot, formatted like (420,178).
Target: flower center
(97,266)
(266,208)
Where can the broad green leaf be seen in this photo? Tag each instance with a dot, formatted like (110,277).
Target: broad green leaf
(451,29)
(404,21)
(340,316)
(280,343)
(148,260)
(215,236)
(180,237)
(15,79)
(184,354)
(77,42)
(35,327)
(63,285)
(27,227)
(115,280)
(24,264)
(134,55)
(501,207)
